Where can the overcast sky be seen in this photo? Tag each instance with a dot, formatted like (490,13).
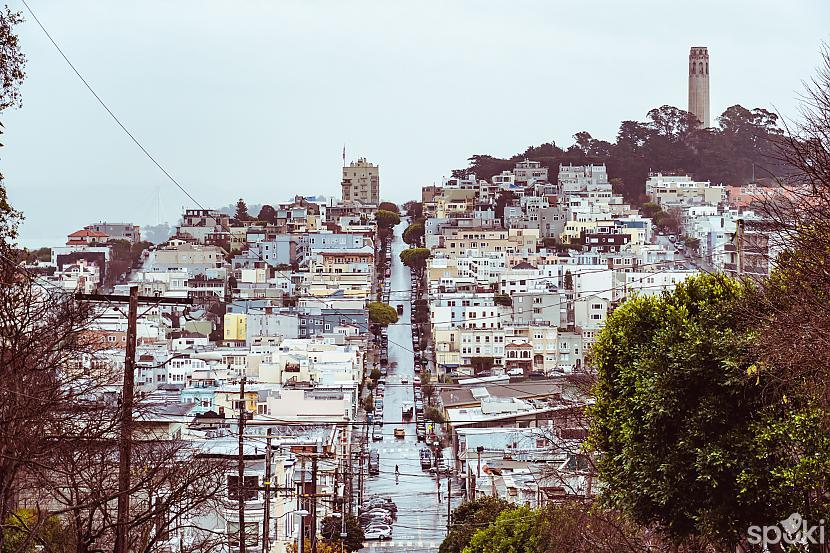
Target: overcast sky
(257,98)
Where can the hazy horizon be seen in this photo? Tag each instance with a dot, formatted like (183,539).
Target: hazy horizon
(258,101)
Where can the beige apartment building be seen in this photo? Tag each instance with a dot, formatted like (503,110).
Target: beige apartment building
(681,190)
(361,182)
(457,242)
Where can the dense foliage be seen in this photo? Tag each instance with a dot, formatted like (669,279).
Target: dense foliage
(389,206)
(690,439)
(741,145)
(387,219)
(514,530)
(413,234)
(268,214)
(382,314)
(469,517)
(415,258)
(330,529)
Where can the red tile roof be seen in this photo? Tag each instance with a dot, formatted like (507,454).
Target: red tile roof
(84,233)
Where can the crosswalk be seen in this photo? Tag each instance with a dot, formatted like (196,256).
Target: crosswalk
(391,450)
(411,544)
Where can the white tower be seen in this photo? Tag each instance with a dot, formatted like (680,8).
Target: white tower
(699,84)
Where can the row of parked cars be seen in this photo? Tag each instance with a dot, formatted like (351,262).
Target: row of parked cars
(377,417)
(376,517)
(420,423)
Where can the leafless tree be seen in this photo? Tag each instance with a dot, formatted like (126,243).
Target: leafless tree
(791,307)
(174,487)
(46,389)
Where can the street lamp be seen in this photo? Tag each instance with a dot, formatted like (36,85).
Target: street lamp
(302,513)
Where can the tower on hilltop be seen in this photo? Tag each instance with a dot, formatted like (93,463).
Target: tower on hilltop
(699,84)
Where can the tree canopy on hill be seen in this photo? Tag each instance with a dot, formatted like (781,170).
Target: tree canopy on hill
(387,219)
(743,143)
(389,206)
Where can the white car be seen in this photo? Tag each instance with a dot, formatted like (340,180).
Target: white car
(404,379)
(378,526)
(377,533)
(515,372)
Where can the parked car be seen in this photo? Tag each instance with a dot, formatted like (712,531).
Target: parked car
(374,462)
(404,379)
(515,372)
(377,534)
(426,458)
(382,502)
(378,525)
(400,309)
(378,511)
(377,435)
(391,507)
(367,520)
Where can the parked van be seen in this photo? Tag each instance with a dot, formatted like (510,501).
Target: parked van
(374,462)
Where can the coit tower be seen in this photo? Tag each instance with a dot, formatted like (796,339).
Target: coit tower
(699,84)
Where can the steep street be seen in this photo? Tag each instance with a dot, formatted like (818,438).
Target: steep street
(422,520)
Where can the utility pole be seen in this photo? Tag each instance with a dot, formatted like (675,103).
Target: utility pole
(302,502)
(337,470)
(240,466)
(127,399)
(449,501)
(360,477)
(266,519)
(314,504)
(126,438)
(740,239)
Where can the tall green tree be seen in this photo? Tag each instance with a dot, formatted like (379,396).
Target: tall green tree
(382,314)
(241,214)
(389,206)
(414,209)
(413,234)
(330,529)
(387,219)
(415,258)
(684,423)
(468,518)
(515,530)
(268,214)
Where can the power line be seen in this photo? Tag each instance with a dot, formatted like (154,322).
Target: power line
(106,107)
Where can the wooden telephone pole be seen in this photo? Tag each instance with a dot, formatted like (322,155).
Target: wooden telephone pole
(125,438)
(266,522)
(240,466)
(314,504)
